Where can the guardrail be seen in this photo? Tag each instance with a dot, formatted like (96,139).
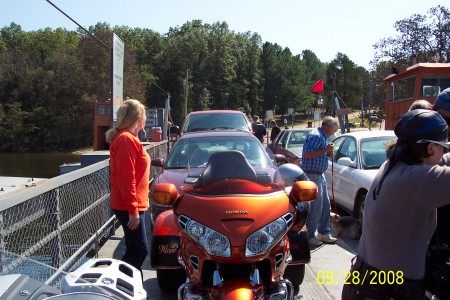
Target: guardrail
(59,221)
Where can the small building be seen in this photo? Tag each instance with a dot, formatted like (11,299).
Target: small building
(419,81)
(102,122)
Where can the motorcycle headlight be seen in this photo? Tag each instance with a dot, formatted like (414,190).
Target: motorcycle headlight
(260,241)
(214,242)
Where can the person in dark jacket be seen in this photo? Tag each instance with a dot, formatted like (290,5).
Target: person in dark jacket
(392,242)
(258,128)
(274,131)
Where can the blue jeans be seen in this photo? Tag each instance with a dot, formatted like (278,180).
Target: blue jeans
(135,240)
(319,213)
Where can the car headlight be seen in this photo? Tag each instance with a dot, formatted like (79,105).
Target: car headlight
(260,241)
(214,242)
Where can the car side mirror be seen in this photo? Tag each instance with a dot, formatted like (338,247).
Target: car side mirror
(280,159)
(157,162)
(346,161)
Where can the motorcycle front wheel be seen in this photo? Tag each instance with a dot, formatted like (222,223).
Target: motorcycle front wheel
(295,274)
(169,280)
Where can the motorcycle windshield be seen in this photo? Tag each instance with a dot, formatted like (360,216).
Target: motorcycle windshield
(236,186)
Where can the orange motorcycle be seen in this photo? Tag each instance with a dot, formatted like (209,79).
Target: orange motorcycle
(238,231)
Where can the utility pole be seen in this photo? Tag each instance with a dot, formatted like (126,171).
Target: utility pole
(370,103)
(186,89)
(335,104)
(362,111)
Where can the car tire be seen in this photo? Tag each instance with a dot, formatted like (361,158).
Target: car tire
(295,274)
(169,280)
(360,207)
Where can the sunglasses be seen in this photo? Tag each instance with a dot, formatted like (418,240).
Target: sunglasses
(446,145)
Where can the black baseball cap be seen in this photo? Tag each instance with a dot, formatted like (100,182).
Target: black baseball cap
(421,124)
(442,100)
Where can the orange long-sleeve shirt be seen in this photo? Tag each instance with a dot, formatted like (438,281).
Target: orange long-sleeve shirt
(130,173)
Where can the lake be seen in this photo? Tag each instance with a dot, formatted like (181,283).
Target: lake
(38,165)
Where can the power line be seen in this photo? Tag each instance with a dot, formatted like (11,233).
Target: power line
(79,25)
(154,83)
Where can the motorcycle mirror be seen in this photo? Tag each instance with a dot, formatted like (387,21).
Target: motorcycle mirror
(303,191)
(165,193)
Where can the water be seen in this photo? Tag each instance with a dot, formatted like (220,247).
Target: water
(38,165)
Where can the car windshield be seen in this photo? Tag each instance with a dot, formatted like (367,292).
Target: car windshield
(297,139)
(195,152)
(219,121)
(373,151)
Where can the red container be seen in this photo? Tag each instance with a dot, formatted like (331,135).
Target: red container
(156,134)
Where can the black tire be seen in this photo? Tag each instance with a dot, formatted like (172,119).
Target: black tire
(169,280)
(359,212)
(295,274)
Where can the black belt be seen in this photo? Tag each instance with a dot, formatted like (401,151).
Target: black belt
(313,172)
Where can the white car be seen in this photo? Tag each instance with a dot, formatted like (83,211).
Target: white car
(357,157)
(289,142)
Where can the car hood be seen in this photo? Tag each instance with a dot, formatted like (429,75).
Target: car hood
(297,150)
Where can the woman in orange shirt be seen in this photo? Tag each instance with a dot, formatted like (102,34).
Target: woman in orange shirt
(130,175)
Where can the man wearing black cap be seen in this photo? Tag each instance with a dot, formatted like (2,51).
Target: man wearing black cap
(259,130)
(400,211)
(442,106)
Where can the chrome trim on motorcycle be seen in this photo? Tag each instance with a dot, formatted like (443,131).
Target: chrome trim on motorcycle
(289,219)
(184,293)
(289,259)
(195,261)
(180,259)
(278,260)
(217,278)
(285,291)
(254,277)
(182,221)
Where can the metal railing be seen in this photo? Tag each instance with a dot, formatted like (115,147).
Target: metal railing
(59,221)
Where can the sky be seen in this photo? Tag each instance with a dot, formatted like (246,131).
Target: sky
(325,27)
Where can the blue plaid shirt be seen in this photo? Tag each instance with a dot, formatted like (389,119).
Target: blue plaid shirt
(316,139)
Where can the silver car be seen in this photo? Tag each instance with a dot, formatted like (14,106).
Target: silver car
(357,158)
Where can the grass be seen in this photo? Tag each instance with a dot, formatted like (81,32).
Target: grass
(83,150)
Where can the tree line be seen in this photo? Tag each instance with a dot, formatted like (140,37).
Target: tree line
(50,79)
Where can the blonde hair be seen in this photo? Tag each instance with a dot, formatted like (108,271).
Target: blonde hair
(128,113)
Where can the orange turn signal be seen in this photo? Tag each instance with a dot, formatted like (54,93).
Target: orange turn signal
(164,193)
(304,191)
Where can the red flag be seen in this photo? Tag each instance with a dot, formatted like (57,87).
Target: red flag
(318,86)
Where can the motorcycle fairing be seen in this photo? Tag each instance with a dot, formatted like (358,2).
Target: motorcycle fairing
(235,216)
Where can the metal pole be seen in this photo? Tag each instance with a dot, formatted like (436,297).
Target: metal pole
(335,105)
(186,92)
(368,106)
(362,111)
(166,118)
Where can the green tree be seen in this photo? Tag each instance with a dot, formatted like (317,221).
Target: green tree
(351,81)
(425,37)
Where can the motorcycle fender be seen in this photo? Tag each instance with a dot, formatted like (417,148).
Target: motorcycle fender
(299,247)
(237,289)
(165,242)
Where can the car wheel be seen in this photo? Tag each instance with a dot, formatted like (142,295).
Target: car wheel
(169,280)
(295,274)
(360,214)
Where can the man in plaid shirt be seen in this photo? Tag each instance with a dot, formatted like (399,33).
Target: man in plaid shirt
(314,163)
